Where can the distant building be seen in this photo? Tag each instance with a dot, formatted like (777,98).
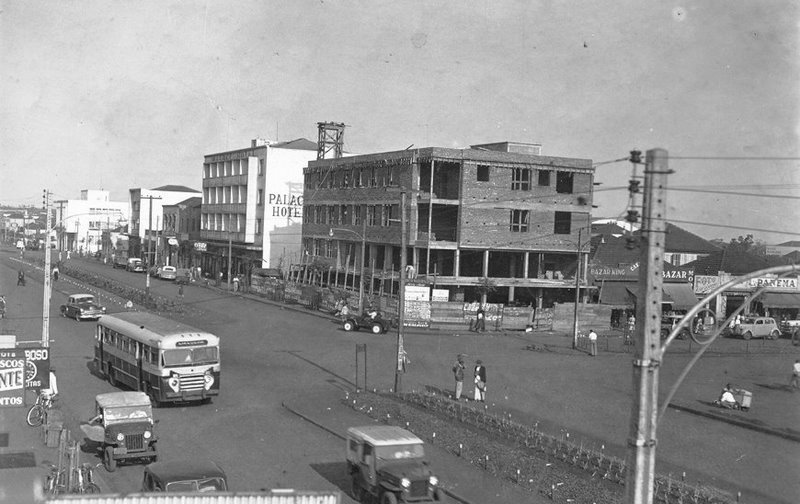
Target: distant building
(84,224)
(147,217)
(252,206)
(499,220)
(784,248)
(181,232)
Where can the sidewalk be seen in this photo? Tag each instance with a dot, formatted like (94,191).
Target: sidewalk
(460,480)
(562,343)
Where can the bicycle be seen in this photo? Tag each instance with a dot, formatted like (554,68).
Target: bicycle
(83,483)
(85,479)
(55,482)
(38,412)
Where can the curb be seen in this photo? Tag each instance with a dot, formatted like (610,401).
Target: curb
(447,492)
(739,423)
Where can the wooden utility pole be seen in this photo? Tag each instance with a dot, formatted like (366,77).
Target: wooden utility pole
(48,286)
(401,304)
(644,412)
(149,242)
(577,294)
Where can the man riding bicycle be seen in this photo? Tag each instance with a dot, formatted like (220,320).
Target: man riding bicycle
(2,306)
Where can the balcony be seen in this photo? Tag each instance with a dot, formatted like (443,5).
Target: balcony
(224,236)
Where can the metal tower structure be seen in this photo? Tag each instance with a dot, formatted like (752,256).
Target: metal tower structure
(331,140)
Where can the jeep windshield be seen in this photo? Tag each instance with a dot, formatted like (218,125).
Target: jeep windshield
(400,452)
(127,413)
(201,485)
(190,356)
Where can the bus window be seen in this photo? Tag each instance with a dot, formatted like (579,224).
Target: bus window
(186,356)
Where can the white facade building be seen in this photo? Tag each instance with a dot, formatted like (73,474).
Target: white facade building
(79,224)
(142,218)
(252,206)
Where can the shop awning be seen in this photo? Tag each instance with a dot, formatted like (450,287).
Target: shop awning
(682,295)
(616,293)
(780,300)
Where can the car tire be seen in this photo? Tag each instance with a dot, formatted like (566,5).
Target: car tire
(377,328)
(109,462)
(437,495)
(388,498)
(349,325)
(775,334)
(747,335)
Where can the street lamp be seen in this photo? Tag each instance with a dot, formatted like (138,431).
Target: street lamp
(363,237)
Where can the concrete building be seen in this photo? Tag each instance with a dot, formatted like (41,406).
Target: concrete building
(181,232)
(81,224)
(251,215)
(147,217)
(498,220)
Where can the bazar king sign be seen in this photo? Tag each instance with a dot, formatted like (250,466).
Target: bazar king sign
(631,272)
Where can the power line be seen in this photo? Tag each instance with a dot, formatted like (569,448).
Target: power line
(743,228)
(738,158)
(732,193)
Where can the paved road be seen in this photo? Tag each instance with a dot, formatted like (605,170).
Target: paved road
(270,353)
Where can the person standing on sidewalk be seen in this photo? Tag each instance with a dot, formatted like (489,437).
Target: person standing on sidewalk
(458,373)
(480,381)
(480,319)
(592,342)
(795,383)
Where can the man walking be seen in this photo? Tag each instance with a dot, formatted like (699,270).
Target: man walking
(592,342)
(458,373)
(480,322)
(480,381)
(796,374)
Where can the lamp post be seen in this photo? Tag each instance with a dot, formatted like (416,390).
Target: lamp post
(363,237)
(577,293)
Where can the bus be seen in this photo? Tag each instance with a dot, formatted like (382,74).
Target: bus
(168,360)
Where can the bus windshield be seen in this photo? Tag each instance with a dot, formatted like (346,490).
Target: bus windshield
(189,356)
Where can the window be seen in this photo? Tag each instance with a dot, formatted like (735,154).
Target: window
(483,173)
(519,220)
(260,197)
(344,215)
(258,226)
(360,182)
(373,181)
(345,178)
(521,179)
(544,177)
(261,167)
(564,182)
(370,215)
(563,223)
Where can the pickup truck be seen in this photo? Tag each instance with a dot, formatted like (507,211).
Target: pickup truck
(791,329)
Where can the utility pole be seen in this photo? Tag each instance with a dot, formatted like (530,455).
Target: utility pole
(47,285)
(149,242)
(230,257)
(577,294)
(401,305)
(644,411)
(363,258)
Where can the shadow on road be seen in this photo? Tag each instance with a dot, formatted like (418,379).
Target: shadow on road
(335,472)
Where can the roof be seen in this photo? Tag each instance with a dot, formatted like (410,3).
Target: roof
(793,243)
(194,201)
(780,299)
(115,399)
(177,470)
(614,250)
(131,322)
(383,435)
(683,297)
(296,144)
(729,260)
(175,188)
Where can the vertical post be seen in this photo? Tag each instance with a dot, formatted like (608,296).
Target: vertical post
(230,256)
(149,242)
(430,224)
(47,285)
(401,304)
(361,268)
(577,294)
(644,413)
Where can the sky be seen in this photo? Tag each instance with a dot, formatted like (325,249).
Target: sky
(123,94)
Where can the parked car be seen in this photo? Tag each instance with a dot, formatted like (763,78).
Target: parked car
(387,464)
(669,322)
(135,264)
(195,475)
(757,327)
(167,273)
(122,428)
(82,307)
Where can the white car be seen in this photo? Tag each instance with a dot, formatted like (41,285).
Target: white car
(167,273)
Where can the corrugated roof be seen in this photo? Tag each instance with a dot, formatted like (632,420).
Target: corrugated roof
(297,144)
(729,260)
(175,188)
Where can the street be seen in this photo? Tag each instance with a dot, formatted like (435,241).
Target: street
(271,353)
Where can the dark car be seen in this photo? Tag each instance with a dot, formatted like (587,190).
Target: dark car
(82,307)
(196,475)
(375,322)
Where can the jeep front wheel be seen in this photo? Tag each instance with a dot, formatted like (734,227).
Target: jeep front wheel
(349,325)
(388,498)
(108,459)
(377,328)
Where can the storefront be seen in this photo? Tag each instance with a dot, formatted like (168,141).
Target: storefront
(781,298)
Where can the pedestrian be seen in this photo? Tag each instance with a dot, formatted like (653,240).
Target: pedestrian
(592,342)
(236,283)
(69,254)
(55,273)
(21,278)
(2,306)
(795,383)
(480,381)
(52,390)
(59,256)
(631,324)
(480,316)
(458,373)
(180,292)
